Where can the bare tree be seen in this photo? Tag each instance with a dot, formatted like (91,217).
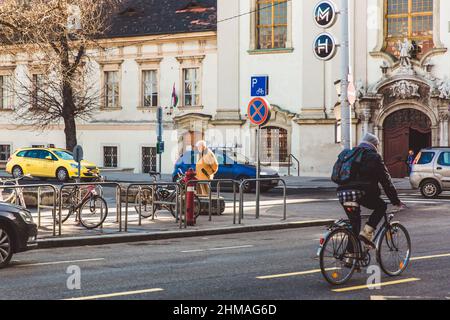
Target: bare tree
(60,37)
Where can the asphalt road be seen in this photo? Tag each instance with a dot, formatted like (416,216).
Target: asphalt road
(265,265)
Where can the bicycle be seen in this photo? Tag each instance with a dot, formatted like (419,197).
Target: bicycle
(87,203)
(13,195)
(147,195)
(338,259)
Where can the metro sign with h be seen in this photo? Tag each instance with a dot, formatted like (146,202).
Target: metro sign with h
(259,86)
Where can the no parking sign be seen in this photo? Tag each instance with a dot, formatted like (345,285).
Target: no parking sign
(259,111)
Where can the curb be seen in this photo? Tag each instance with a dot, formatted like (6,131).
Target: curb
(140,237)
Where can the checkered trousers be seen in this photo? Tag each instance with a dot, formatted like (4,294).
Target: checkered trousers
(350,195)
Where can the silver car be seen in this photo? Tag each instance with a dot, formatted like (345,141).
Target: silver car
(431,172)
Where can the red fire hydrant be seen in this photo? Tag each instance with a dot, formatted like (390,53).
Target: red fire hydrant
(190,195)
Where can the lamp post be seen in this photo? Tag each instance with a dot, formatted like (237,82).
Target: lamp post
(345,67)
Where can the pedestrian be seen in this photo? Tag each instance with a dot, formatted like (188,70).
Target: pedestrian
(206,167)
(410,161)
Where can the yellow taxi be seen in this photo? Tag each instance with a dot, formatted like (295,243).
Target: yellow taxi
(48,163)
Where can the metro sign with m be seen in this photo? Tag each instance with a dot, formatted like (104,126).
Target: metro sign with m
(325,14)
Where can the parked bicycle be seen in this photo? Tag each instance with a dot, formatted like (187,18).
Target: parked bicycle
(158,194)
(87,203)
(341,252)
(12,195)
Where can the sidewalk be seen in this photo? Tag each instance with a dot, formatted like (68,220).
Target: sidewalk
(301,213)
(291,181)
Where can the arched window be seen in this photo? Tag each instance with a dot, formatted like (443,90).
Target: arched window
(274,145)
(271,24)
(412,20)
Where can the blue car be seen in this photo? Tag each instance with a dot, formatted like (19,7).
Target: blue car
(232,165)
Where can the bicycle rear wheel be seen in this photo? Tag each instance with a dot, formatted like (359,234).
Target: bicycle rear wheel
(93,212)
(394,250)
(337,263)
(146,202)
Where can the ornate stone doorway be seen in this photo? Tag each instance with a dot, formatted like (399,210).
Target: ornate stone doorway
(404,130)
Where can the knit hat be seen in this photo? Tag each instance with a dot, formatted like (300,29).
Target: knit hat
(371,138)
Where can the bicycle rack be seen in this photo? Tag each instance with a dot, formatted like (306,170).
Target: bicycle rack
(234,183)
(40,187)
(241,196)
(152,186)
(101,184)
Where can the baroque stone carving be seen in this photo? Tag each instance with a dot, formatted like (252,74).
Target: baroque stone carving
(405,90)
(360,89)
(444,89)
(405,48)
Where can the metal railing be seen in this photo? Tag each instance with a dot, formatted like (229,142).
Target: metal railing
(139,186)
(40,187)
(241,196)
(100,184)
(291,156)
(234,183)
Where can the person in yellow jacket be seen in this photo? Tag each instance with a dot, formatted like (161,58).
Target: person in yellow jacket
(206,167)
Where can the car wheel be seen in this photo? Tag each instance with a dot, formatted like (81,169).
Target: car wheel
(430,189)
(6,246)
(17,172)
(247,186)
(62,175)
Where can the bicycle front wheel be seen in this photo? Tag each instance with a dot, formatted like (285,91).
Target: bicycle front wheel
(338,256)
(394,250)
(93,212)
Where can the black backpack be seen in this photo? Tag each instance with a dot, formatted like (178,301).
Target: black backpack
(346,167)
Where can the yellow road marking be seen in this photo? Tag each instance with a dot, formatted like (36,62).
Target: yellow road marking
(284,275)
(118,294)
(382,284)
(431,257)
(307,272)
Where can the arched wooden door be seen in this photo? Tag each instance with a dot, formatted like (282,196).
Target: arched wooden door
(404,130)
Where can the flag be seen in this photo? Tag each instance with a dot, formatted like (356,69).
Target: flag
(174,97)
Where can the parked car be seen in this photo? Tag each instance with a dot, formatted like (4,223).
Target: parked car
(232,165)
(48,163)
(18,232)
(431,172)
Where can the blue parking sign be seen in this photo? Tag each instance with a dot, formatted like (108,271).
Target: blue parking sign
(259,86)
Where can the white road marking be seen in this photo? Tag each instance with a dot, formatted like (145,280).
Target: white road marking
(230,248)
(59,262)
(117,294)
(217,249)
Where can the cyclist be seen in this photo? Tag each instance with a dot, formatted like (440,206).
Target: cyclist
(364,189)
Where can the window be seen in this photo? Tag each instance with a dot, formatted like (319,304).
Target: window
(38,90)
(112,90)
(110,157)
(425,157)
(444,159)
(271,24)
(6,92)
(148,159)
(5,152)
(150,88)
(412,20)
(274,145)
(191,89)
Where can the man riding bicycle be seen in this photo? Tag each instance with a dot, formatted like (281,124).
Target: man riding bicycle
(362,187)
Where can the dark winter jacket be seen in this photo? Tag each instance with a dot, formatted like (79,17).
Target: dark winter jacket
(371,172)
